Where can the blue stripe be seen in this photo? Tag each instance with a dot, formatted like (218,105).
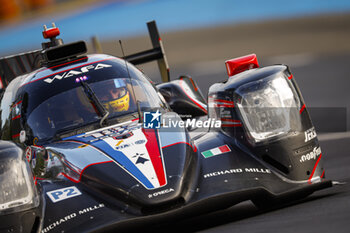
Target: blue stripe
(119,157)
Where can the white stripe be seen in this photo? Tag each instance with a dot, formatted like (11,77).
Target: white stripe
(216,151)
(145,168)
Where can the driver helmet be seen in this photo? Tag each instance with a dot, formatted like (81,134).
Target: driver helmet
(115,96)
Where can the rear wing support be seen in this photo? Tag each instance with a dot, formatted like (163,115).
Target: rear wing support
(157,53)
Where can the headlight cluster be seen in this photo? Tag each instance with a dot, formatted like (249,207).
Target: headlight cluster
(269,107)
(16,184)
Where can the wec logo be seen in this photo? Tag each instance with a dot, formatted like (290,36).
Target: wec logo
(82,70)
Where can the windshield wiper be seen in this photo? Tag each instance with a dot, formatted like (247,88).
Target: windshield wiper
(101,110)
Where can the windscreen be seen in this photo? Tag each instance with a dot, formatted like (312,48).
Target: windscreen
(63,104)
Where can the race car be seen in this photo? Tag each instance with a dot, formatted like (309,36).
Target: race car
(89,143)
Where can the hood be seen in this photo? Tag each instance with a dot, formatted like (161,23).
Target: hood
(126,161)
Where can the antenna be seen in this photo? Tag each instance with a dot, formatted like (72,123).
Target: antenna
(132,86)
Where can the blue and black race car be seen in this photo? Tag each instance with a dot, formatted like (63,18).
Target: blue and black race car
(90,144)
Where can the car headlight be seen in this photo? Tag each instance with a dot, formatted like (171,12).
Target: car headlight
(269,108)
(17,191)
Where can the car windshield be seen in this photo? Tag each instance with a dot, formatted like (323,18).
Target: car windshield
(52,112)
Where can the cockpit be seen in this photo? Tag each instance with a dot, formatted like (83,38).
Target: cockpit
(61,103)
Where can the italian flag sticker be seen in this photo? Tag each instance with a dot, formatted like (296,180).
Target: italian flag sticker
(216,151)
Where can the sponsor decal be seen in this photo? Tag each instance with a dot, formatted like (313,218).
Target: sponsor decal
(123,146)
(119,143)
(216,151)
(80,71)
(162,192)
(63,194)
(140,159)
(117,133)
(123,136)
(151,120)
(236,171)
(138,142)
(58,222)
(71,216)
(146,166)
(120,146)
(257,170)
(310,134)
(311,155)
(143,157)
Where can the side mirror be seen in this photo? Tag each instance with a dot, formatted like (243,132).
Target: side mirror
(184,97)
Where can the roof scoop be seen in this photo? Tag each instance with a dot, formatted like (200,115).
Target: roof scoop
(51,33)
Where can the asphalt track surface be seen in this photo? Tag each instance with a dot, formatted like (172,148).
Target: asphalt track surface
(319,60)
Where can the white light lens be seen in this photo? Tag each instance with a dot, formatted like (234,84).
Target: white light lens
(269,108)
(15,184)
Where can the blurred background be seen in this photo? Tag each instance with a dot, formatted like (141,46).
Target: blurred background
(311,36)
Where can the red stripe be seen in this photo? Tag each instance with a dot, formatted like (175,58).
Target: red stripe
(290,77)
(154,154)
(136,119)
(313,171)
(223,101)
(39,178)
(68,70)
(193,147)
(1,84)
(224,105)
(52,67)
(15,136)
(16,117)
(193,100)
(231,125)
(69,178)
(194,86)
(19,102)
(322,174)
(230,120)
(302,109)
(82,171)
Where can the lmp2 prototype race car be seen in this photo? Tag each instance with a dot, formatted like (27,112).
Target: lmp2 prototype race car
(91,144)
